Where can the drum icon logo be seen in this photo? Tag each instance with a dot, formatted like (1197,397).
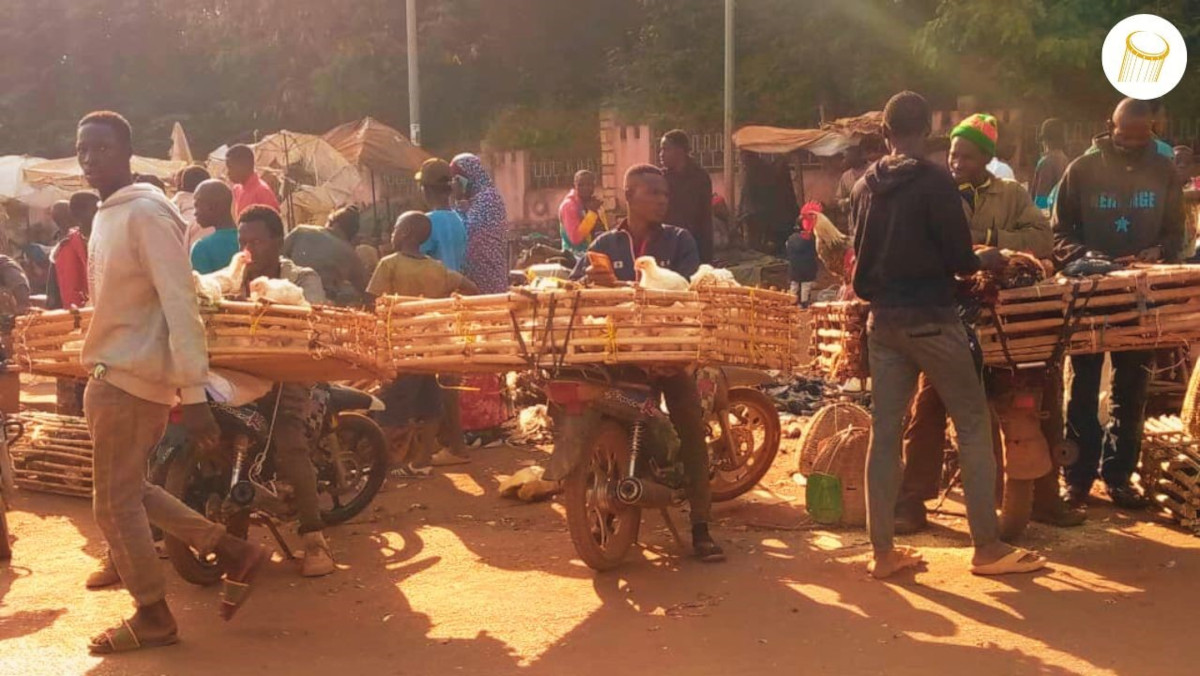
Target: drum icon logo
(1144,56)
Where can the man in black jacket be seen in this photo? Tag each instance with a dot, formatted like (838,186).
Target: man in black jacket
(690,205)
(912,238)
(1125,201)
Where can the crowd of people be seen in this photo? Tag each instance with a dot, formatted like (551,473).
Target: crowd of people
(917,226)
(130,252)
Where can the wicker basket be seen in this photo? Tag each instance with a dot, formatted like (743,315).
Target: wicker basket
(844,455)
(277,342)
(54,455)
(1170,470)
(577,327)
(827,422)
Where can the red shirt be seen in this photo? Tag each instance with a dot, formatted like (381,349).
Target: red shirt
(70,265)
(253,192)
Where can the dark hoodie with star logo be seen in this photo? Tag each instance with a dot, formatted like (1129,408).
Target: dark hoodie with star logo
(1118,203)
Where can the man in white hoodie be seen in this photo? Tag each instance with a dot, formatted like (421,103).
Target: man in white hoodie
(145,347)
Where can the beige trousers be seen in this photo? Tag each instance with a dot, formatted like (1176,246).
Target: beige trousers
(125,429)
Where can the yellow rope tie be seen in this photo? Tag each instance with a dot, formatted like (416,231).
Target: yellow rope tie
(256,317)
(456,388)
(460,326)
(610,335)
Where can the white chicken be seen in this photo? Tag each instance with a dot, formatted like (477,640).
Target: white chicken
(707,275)
(224,282)
(207,288)
(279,291)
(650,276)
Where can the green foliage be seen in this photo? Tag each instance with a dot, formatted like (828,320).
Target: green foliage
(532,73)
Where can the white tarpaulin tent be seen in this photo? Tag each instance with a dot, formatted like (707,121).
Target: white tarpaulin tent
(67,175)
(317,179)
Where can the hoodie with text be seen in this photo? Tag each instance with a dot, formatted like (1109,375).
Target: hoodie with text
(1118,203)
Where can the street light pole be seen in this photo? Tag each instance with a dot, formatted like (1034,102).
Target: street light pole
(730,180)
(414,88)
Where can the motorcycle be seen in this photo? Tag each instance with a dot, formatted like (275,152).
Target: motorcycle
(236,484)
(616,452)
(10,431)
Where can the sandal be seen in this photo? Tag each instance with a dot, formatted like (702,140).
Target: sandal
(235,593)
(122,639)
(1017,561)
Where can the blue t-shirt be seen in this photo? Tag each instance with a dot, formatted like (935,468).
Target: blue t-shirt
(215,251)
(448,240)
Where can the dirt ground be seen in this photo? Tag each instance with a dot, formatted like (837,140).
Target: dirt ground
(443,577)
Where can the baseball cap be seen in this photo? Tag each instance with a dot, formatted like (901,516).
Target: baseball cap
(434,171)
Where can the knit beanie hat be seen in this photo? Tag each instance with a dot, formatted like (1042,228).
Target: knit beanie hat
(980,129)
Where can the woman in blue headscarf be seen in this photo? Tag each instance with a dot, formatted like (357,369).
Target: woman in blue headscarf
(487,226)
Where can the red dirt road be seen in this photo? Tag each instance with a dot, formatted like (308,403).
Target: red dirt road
(442,577)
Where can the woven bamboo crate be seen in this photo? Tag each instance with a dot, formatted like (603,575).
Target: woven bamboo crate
(1141,308)
(565,327)
(54,455)
(48,343)
(291,343)
(839,339)
(1170,470)
(752,327)
(277,342)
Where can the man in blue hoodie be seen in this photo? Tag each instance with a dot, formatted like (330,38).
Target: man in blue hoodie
(912,238)
(1123,201)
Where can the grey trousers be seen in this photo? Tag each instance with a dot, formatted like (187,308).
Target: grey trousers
(898,355)
(124,431)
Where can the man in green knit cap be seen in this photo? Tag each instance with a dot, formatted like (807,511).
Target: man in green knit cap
(1001,214)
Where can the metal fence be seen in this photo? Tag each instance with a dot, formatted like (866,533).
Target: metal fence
(559,173)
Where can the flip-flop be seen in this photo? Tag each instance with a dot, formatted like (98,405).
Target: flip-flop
(122,639)
(1014,562)
(235,593)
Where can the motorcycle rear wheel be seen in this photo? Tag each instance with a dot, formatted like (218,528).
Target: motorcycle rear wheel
(602,529)
(754,423)
(190,478)
(364,454)
(1016,508)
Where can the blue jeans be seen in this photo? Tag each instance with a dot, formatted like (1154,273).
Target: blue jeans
(899,353)
(1115,451)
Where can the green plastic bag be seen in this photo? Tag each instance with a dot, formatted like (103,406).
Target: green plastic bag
(823,497)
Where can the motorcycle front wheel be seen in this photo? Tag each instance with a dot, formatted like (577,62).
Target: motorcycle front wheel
(753,424)
(202,484)
(602,529)
(364,461)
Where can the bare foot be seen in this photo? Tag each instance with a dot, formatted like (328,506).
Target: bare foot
(894,561)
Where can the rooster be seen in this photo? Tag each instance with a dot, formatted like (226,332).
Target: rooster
(834,247)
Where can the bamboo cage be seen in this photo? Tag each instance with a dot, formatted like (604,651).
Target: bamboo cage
(277,342)
(839,339)
(576,327)
(54,455)
(1141,308)
(1170,470)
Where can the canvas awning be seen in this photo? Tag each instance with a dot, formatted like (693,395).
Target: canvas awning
(831,139)
(66,174)
(371,144)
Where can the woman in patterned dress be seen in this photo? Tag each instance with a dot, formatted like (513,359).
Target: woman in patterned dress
(487,226)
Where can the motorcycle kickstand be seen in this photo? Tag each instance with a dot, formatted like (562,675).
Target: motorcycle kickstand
(287,551)
(666,515)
